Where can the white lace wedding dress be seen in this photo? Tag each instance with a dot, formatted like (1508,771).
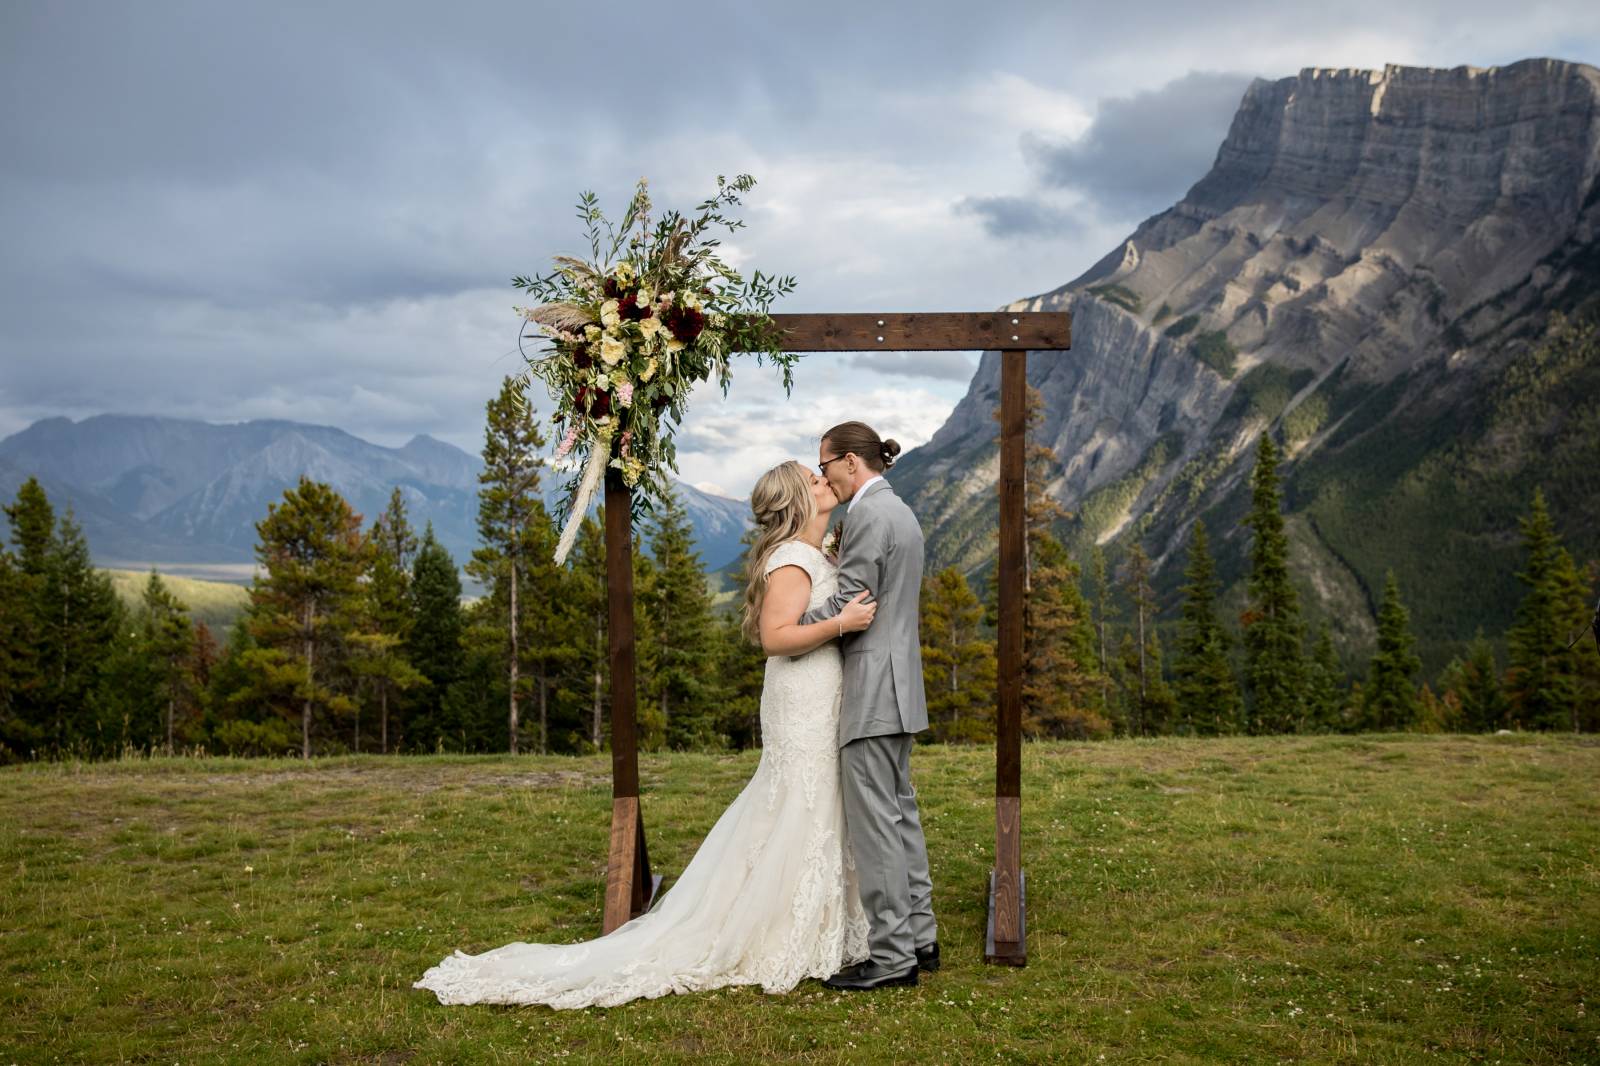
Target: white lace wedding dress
(769,899)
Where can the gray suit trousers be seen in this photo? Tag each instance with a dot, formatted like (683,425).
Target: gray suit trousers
(885,829)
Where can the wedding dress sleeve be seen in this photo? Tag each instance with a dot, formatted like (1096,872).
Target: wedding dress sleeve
(793,553)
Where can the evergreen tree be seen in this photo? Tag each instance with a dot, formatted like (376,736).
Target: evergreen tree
(743,664)
(17,735)
(313,553)
(1207,693)
(1100,589)
(1541,683)
(958,664)
(1325,686)
(388,616)
(1476,683)
(168,647)
(1060,686)
(243,718)
(1575,607)
(1151,702)
(1274,671)
(680,682)
(82,619)
(508,510)
(434,648)
(1390,698)
(583,678)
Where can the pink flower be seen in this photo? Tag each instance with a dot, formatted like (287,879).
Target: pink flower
(567,442)
(625,393)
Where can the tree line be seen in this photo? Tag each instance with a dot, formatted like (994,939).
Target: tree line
(356,638)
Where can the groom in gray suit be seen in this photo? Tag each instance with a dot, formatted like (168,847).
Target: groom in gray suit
(880,551)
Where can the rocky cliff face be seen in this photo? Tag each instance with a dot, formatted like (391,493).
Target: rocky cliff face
(1365,239)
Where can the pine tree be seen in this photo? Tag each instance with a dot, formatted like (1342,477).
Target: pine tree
(243,717)
(1541,682)
(1575,608)
(958,664)
(1060,685)
(1151,702)
(434,648)
(168,646)
(584,677)
(1484,707)
(1325,686)
(1100,586)
(1390,699)
(1274,671)
(678,667)
(387,616)
(1207,693)
(743,664)
(82,619)
(508,508)
(313,553)
(18,736)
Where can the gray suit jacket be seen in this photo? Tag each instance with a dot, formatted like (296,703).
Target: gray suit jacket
(881,550)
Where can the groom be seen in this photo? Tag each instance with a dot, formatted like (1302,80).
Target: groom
(881,551)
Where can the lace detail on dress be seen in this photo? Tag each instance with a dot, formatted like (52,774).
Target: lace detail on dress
(769,899)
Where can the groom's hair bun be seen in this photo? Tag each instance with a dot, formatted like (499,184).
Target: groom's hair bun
(862,440)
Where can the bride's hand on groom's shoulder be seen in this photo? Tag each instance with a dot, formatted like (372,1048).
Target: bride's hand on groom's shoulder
(858,613)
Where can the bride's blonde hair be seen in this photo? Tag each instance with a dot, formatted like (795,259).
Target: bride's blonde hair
(783,506)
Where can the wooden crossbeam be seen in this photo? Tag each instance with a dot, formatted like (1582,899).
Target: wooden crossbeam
(930,331)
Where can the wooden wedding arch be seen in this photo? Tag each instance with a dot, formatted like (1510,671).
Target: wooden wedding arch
(630,885)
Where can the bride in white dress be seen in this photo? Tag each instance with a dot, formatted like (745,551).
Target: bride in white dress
(770,898)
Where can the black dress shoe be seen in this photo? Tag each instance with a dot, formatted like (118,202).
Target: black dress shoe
(870,976)
(928,957)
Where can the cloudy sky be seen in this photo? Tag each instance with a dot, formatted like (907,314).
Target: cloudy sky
(312,211)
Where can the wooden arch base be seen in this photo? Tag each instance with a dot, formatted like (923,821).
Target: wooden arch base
(630,886)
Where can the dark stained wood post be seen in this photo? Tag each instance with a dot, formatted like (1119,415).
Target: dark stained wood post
(1006,940)
(630,888)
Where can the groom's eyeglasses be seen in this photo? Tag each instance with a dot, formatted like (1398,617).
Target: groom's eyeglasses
(822,467)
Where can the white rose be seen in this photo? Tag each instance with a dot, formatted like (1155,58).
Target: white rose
(612,350)
(650,327)
(608,314)
(674,345)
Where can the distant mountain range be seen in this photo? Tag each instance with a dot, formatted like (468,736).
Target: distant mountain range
(187,494)
(1367,272)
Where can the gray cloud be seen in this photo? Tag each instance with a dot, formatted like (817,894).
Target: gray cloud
(938,366)
(1143,151)
(310,210)
(1019,216)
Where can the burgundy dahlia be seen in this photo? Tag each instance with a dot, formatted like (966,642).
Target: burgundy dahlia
(684,322)
(600,405)
(581,357)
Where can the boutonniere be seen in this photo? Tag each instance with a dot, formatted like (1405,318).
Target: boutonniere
(830,543)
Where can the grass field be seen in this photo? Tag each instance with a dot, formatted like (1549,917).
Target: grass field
(1375,899)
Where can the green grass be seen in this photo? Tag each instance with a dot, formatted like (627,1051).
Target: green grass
(1373,899)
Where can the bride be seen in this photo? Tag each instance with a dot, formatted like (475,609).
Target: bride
(770,898)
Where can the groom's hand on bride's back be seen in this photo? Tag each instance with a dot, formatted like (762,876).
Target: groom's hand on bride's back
(858,613)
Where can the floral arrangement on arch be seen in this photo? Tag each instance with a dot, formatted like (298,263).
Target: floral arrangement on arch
(633,329)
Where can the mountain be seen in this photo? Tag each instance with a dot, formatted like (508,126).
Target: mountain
(178,491)
(1368,271)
